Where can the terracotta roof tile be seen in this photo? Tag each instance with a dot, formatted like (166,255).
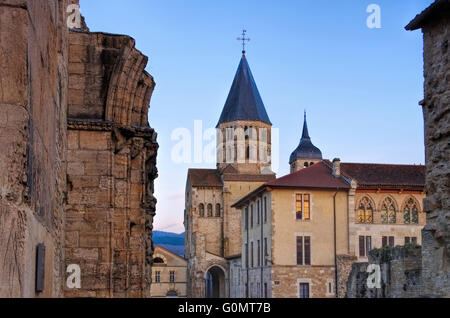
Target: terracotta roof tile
(204,178)
(317,176)
(370,175)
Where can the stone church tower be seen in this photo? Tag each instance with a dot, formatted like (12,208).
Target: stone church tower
(306,154)
(213,228)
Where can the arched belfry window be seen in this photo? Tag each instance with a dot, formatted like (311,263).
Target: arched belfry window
(210,210)
(365,211)
(201,209)
(411,212)
(388,212)
(218,214)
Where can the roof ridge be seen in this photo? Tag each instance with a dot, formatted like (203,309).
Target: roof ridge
(383,164)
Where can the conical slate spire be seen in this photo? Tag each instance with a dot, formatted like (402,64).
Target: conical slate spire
(305,150)
(244,101)
(305,134)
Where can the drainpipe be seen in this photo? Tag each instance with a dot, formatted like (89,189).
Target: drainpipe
(261,246)
(246,255)
(335,248)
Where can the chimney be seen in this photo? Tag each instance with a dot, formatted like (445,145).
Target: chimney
(336,167)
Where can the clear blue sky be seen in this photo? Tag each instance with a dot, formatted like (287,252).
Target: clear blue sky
(360,86)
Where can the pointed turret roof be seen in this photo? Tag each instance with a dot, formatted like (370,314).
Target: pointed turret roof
(244,101)
(306,149)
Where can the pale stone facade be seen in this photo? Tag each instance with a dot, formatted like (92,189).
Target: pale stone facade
(169,274)
(78,154)
(213,227)
(332,226)
(276,274)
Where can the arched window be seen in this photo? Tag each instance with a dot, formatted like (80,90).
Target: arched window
(158,260)
(388,213)
(218,214)
(311,164)
(201,209)
(411,212)
(365,211)
(210,210)
(306,165)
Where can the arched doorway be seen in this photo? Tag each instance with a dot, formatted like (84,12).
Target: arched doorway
(215,283)
(172,294)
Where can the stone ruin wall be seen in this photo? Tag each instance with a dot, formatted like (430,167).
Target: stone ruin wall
(99,212)
(33,103)
(400,274)
(436,109)
(111,167)
(424,272)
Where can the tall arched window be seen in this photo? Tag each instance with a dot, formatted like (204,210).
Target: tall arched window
(365,211)
(210,210)
(218,211)
(411,212)
(201,209)
(388,212)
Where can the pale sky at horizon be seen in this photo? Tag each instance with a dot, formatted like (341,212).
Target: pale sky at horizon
(361,87)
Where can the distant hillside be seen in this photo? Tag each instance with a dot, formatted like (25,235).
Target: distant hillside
(171,241)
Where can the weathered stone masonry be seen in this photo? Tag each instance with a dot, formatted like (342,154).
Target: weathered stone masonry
(77,156)
(425,272)
(111,166)
(33,104)
(435,24)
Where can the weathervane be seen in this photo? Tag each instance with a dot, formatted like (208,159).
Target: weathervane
(243,39)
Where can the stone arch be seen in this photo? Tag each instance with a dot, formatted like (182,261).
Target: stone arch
(172,293)
(369,198)
(405,203)
(161,257)
(215,282)
(380,203)
(130,88)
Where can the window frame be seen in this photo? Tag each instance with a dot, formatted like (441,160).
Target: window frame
(303,204)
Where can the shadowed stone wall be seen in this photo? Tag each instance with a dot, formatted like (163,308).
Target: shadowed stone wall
(77,156)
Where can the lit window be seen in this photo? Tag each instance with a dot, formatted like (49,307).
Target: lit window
(365,211)
(303,206)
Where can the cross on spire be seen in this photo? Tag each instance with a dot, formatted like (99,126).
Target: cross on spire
(244,39)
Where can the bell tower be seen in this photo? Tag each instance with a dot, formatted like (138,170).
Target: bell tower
(244,128)
(306,154)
